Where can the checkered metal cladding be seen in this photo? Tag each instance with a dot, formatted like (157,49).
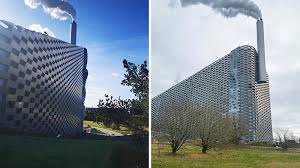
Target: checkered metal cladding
(42,82)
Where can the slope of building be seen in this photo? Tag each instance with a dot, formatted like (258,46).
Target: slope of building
(42,82)
(229,87)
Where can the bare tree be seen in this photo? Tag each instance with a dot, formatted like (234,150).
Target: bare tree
(232,128)
(212,128)
(283,136)
(173,121)
(183,120)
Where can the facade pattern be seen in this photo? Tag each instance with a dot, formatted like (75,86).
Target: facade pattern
(42,82)
(227,87)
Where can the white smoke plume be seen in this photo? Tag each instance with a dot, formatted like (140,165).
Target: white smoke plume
(40,29)
(58,9)
(227,8)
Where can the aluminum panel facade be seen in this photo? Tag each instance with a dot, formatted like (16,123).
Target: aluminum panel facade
(229,87)
(42,82)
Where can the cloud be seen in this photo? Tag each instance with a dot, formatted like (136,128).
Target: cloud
(40,29)
(33,4)
(58,9)
(56,13)
(185,40)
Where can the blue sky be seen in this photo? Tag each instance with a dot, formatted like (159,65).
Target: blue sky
(111,30)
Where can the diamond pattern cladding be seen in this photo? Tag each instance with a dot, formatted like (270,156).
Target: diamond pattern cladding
(45,79)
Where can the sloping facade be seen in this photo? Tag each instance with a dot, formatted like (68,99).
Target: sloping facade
(228,87)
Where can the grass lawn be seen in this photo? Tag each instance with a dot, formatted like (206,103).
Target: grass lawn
(123,130)
(190,156)
(40,152)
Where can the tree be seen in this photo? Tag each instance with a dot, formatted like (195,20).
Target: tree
(113,112)
(173,121)
(283,136)
(131,112)
(211,128)
(138,78)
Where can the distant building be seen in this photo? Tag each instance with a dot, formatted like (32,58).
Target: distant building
(42,82)
(230,87)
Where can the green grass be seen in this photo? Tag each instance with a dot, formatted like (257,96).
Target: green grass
(190,156)
(123,130)
(36,152)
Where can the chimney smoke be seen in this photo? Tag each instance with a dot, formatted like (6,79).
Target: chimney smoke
(58,9)
(261,65)
(73,31)
(227,8)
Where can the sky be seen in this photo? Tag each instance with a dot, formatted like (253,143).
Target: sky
(111,30)
(185,40)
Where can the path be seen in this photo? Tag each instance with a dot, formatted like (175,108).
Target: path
(107,132)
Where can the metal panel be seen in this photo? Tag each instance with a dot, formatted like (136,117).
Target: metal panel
(73,32)
(227,86)
(45,83)
(262,74)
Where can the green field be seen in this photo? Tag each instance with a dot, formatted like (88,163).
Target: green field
(123,130)
(40,152)
(190,156)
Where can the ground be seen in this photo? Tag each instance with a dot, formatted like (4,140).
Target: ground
(35,152)
(190,156)
(123,130)
(107,132)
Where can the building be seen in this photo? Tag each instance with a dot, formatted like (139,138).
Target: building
(230,87)
(42,82)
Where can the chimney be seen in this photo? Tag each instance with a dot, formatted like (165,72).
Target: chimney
(73,31)
(261,65)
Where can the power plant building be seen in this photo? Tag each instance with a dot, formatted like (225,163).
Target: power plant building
(42,82)
(228,87)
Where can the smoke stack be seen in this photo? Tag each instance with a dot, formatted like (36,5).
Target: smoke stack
(73,31)
(261,65)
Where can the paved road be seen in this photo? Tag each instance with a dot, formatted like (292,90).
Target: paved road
(109,132)
(106,132)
